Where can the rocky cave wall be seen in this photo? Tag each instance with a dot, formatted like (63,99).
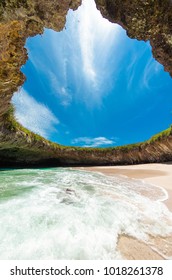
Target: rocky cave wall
(144,20)
(19,19)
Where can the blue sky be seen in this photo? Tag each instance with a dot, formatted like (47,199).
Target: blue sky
(90,85)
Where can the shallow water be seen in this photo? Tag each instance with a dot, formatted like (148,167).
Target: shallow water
(40,219)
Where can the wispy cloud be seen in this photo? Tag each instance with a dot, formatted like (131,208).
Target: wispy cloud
(151,68)
(93,142)
(48,66)
(86,39)
(131,71)
(96,36)
(81,52)
(34,115)
(60,91)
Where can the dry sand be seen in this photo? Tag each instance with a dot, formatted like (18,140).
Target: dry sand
(159,175)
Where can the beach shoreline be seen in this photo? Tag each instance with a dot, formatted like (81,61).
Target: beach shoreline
(159,175)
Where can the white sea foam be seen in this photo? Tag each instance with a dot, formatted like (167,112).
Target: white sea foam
(40,219)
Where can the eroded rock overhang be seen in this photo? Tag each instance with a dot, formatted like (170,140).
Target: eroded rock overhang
(20,19)
(144,20)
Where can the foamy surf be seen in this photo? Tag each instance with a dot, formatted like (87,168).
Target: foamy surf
(70,214)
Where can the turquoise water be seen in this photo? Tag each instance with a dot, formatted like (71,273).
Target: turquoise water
(62,213)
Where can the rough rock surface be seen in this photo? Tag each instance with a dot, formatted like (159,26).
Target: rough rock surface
(40,154)
(19,19)
(144,20)
(20,148)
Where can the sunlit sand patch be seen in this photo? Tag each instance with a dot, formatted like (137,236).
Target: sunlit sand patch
(155,248)
(134,249)
(162,244)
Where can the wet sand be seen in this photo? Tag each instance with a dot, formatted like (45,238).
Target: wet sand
(158,248)
(155,174)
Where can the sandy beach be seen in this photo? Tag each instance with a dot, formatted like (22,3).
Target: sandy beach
(156,174)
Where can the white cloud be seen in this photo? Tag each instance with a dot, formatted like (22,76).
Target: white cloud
(96,34)
(131,71)
(61,92)
(152,68)
(81,53)
(34,115)
(86,39)
(93,142)
(66,98)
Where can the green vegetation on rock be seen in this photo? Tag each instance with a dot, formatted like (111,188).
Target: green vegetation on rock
(144,20)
